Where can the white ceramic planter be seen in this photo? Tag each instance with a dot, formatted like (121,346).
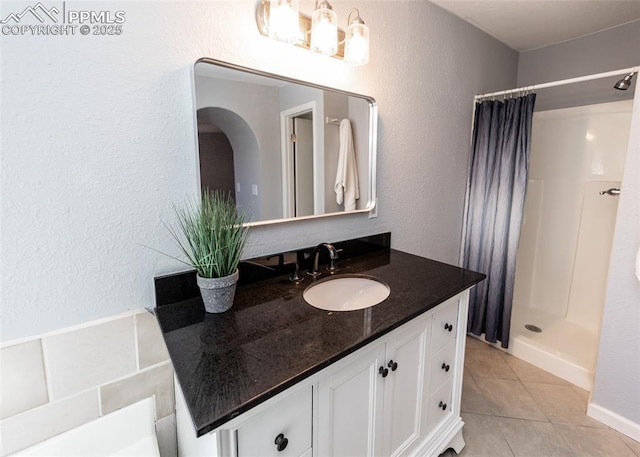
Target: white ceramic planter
(217,293)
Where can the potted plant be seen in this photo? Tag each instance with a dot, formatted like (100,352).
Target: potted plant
(212,236)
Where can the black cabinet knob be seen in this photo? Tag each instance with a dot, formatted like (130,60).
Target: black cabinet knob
(443,406)
(281,442)
(393,365)
(383,371)
(445,367)
(448,326)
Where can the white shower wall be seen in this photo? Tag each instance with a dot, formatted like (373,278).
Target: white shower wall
(567,230)
(588,284)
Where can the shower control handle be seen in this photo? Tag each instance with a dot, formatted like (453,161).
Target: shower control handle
(613,192)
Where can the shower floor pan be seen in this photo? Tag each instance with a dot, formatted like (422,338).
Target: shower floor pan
(561,348)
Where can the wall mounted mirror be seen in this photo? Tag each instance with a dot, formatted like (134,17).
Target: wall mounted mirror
(282,147)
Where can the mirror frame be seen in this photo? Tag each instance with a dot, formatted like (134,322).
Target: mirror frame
(372,137)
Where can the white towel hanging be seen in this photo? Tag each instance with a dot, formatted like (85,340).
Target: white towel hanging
(346,185)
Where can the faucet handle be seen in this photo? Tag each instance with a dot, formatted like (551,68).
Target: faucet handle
(295,277)
(332,268)
(333,255)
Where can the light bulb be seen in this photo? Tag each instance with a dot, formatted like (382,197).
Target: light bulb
(284,21)
(356,50)
(324,30)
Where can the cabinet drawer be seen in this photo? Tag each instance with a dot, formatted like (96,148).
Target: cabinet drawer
(442,365)
(439,405)
(444,325)
(289,417)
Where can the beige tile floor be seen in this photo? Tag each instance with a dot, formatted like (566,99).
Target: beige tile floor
(513,409)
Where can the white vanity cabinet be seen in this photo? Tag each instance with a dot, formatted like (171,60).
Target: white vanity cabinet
(280,427)
(389,398)
(404,386)
(444,365)
(350,397)
(371,404)
(397,396)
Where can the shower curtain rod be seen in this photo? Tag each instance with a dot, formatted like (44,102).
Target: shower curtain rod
(561,82)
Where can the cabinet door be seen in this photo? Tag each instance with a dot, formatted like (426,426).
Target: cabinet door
(403,390)
(350,405)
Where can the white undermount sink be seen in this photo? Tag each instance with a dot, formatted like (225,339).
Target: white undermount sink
(346,293)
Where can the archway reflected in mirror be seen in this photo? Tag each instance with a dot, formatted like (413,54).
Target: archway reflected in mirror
(227,149)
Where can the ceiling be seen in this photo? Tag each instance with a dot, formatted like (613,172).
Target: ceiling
(531,24)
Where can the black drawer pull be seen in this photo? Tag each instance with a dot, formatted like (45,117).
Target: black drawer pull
(383,371)
(443,406)
(281,442)
(445,367)
(448,326)
(393,365)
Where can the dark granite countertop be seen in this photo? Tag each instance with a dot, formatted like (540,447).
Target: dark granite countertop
(271,339)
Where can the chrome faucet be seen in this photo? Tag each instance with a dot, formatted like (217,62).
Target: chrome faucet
(333,256)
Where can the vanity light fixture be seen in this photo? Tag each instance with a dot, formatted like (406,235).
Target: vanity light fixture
(324,30)
(280,20)
(356,47)
(283,21)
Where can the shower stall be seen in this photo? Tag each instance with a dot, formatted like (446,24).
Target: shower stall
(575,173)
(579,142)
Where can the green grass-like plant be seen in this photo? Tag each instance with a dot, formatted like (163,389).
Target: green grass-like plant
(211,234)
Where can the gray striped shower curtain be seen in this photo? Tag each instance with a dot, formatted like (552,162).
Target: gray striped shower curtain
(495,203)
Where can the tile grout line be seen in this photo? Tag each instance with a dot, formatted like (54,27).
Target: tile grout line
(136,346)
(608,429)
(504,437)
(536,402)
(564,439)
(47,376)
(491,349)
(554,424)
(72,328)
(503,416)
(513,417)
(630,448)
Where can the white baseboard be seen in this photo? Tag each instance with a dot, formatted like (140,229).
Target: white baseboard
(615,421)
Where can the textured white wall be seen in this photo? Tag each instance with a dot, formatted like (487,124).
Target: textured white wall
(98,141)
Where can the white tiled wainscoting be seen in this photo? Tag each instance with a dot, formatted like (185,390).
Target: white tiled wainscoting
(58,381)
